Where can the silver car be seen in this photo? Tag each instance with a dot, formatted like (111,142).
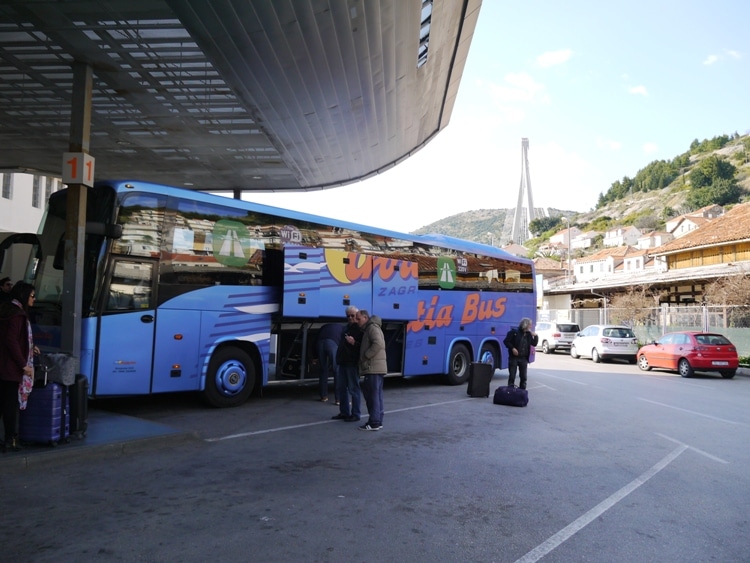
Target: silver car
(555,336)
(605,342)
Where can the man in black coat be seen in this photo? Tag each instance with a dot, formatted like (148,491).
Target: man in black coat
(519,342)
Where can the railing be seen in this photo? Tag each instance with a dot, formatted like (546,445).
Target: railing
(649,324)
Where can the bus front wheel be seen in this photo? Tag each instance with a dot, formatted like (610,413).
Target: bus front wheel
(458,365)
(231,378)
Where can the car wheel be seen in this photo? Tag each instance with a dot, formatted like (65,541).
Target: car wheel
(728,373)
(595,356)
(545,347)
(573,352)
(643,363)
(684,368)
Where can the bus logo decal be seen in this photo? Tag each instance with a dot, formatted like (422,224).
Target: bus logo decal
(229,240)
(446,271)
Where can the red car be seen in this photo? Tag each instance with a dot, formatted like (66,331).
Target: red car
(686,352)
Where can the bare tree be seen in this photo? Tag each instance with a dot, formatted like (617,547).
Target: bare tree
(635,305)
(732,293)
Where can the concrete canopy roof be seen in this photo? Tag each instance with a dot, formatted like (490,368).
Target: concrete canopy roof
(231,94)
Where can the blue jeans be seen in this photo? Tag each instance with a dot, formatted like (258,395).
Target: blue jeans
(327,358)
(347,388)
(372,388)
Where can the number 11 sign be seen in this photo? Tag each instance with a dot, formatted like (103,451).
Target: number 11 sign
(78,168)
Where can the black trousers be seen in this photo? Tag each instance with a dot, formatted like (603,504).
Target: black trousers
(10,408)
(521,365)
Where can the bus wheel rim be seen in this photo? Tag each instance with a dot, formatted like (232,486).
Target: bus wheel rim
(231,377)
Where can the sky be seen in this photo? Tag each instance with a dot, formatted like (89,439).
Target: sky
(600,89)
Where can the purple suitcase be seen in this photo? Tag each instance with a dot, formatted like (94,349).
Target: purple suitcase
(46,419)
(511,396)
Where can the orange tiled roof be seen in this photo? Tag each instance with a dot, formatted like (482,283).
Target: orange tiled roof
(733,226)
(613,251)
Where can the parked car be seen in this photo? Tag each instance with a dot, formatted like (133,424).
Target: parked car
(605,342)
(685,352)
(555,336)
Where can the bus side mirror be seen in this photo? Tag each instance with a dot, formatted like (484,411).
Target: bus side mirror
(105,229)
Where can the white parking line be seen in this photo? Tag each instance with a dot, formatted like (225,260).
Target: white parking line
(688,411)
(696,450)
(319,422)
(568,531)
(564,379)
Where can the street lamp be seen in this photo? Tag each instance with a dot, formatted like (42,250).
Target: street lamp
(569,265)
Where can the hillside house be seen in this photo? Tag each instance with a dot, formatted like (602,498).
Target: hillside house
(622,236)
(599,265)
(584,240)
(516,249)
(561,238)
(687,225)
(654,239)
(637,260)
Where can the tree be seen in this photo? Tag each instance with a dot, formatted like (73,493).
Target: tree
(543,224)
(732,292)
(634,306)
(711,169)
(721,192)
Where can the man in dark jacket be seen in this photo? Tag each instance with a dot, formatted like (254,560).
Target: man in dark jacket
(519,342)
(347,358)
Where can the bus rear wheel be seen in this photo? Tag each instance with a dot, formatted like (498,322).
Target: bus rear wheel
(231,378)
(458,365)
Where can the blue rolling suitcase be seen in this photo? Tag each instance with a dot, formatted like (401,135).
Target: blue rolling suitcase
(45,419)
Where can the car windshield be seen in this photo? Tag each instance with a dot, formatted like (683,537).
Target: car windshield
(568,328)
(618,332)
(715,339)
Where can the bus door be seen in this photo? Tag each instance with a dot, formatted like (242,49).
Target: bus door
(126,330)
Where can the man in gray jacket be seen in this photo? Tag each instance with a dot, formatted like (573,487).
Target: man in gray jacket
(373,366)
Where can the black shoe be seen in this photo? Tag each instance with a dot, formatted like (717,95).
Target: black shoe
(339,417)
(352,418)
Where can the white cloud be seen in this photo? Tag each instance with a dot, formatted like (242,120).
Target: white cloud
(640,89)
(553,58)
(650,148)
(734,54)
(711,59)
(518,87)
(608,144)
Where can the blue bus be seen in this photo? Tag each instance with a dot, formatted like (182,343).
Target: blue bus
(188,291)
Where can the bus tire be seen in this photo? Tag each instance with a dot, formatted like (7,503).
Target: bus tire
(230,379)
(458,365)
(490,354)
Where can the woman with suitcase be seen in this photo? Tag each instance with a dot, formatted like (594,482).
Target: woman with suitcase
(16,359)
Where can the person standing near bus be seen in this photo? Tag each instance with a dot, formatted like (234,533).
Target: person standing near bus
(329,337)
(347,358)
(373,366)
(6,285)
(16,359)
(519,342)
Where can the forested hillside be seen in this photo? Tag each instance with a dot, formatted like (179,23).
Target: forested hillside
(711,171)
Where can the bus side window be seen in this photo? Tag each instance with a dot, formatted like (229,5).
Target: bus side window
(130,287)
